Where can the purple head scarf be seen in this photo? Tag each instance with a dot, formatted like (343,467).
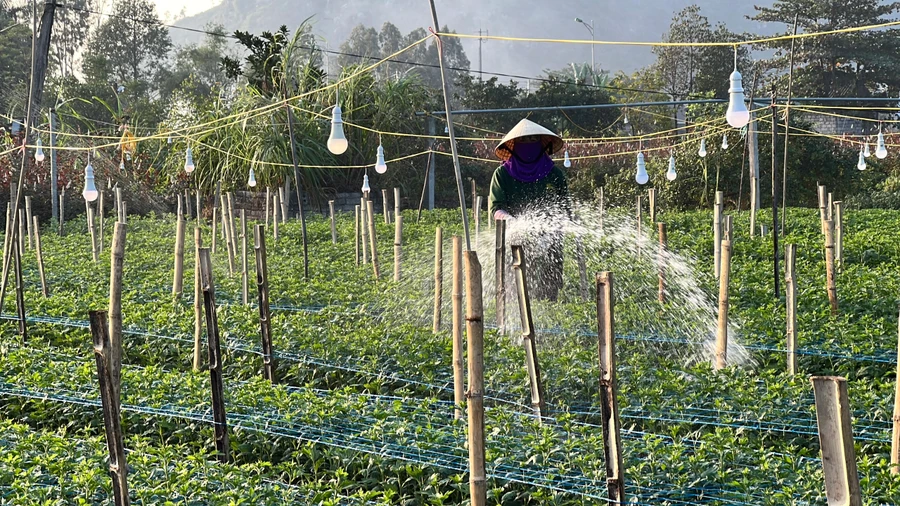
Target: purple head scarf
(529,162)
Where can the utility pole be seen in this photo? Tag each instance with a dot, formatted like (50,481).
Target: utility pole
(480,41)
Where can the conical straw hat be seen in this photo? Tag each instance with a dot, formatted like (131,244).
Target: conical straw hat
(526,128)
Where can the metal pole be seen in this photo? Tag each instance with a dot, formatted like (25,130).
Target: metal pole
(457,172)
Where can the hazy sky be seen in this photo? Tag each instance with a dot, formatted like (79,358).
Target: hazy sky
(172,9)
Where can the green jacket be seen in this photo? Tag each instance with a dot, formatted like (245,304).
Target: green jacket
(516,197)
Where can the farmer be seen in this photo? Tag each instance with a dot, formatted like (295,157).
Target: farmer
(528,184)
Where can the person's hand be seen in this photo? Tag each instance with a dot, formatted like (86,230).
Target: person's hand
(500,214)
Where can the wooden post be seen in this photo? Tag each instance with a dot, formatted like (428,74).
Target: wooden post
(262,287)
(438,278)
(95,251)
(528,333)
(178,279)
(822,200)
(838,235)
(396,202)
(245,274)
(333,225)
(372,241)
(28,222)
(40,257)
(398,245)
(116,264)
(829,267)
(500,274)
(722,329)
(384,206)
(118,468)
(356,232)
(198,298)
(895,433)
(790,302)
(717,233)
(651,200)
(612,448)
(475,395)
(836,440)
(661,262)
(364,229)
(215,357)
(459,379)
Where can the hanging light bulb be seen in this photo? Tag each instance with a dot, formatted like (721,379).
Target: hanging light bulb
(866,152)
(380,165)
(880,150)
(122,165)
(861,164)
(90,192)
(337,143)
(446,129)
(702,151)
(128,156)
(189,161)
(724,141)
(641,177)
(737,114)
(251,181)
(365,187)
(671,174)
(169,141)
(626,118)
(567,163)
(39,153)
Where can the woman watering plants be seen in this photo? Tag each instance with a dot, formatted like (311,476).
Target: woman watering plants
(529,188)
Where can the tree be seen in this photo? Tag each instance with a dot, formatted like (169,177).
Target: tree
(363,41)
(15,61)
(859,64)
(131,46)
(70,31)
(201,64)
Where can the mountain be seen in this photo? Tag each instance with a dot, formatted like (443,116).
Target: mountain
(634,20)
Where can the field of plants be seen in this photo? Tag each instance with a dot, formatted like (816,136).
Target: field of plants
(362,408)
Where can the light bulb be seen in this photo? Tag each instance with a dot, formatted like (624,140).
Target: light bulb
(641,177)
(380,165)
(90,192)
(567,163)
(39,153)
(122,165)
(446,129)
(365,186)
(251,181)
(702,150)
(737,114)
(671,174)
(169,141)
(881,150)
(626,119)
(866,152)
(724,141)
(337,143)
(189,161)
(128,156)
(861,164)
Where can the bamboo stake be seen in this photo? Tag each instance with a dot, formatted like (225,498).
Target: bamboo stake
(830,207)
(198,209)
(22,232)
(790,293)
(601,210)
(651,199)
(717,233)
(838,235)
(638,219)
(612,448)
(120,218)
(438,278)
(7,242)
(396,202)
(475,395)
(372,242)
(477,208)
(500,274)
(829,267)
(101,210)
(384,204)
(215,357)
(124,212)
(459,379)
(727,228)
(95,251)
(836,440)
(117,262)
(275,207)
(28,222)
(103,350)
(226,230)
(333,225)
(245,274)
(187,204)
(398,246)
(282,205)
(268,206)
(895,433)
(262,287)
(528,334)
(821,192)
(178,278)
(232,228)
(215,212)
(20,285)
(722,330)
(40,257)
(198,298)
(364,229)
(356,232)
(661,262)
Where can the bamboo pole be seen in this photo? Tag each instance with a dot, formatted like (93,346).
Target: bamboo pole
(838,235)
(215,212)
(727,228)
(396,202)
(500,274)
(40,257)
(398,246)
(187,204)
(101,210)
(722,329)
(477,212)
(117,262)
(661,262)
(364,229)
(638,219)
(790,294)
(651,200)
(22,232)
(821,193)
(28,222)
(609,406)
(215,358)
(124,212)
(232,228)
(245,274)
(438,278)
(356,232)
(120,218)
(275,207)
(226,229)
(20,284)
(829,267)
(459,379)
(384,205)
(717,233)
(601,210)
(836,440)
(895,432)
(282,205)
(268,205)
(830,207)
(262,288)
(95,251)
(7,242)
(475,395)
(372,241)
(178,278)
(532,364)
(198,299)
(333,225)
(62,213)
